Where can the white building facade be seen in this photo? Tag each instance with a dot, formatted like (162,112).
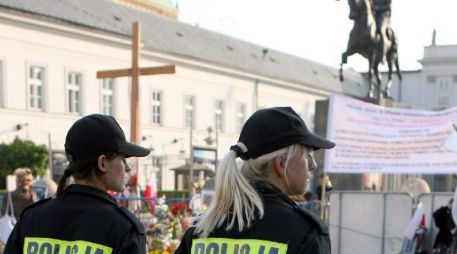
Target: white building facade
(48,68)
(434,87)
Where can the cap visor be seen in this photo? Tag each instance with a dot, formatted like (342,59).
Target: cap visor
(318,142)
(132,150)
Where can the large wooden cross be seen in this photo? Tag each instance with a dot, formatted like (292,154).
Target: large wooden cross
(135,72)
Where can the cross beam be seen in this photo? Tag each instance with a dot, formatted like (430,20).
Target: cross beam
(135,72)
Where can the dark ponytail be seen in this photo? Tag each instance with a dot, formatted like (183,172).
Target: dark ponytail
(63,182)
(80,169)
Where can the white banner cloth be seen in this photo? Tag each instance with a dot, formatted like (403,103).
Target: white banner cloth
(374,139)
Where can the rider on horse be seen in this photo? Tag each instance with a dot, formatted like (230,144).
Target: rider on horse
(382,12)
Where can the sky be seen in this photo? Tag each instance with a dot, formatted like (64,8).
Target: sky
(318,30)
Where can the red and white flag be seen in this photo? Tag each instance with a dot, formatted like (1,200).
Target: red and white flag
(415,222)
(151,186)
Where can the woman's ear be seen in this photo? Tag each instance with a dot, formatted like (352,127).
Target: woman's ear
(101,163)
(278,165)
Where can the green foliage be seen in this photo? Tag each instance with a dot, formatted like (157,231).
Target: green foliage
(23,153)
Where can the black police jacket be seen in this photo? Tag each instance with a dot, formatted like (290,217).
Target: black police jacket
(84,220)
(285,228)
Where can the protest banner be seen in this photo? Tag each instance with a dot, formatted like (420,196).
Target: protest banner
(375,139)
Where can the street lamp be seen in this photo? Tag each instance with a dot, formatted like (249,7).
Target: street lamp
(210,140)
(191,162)
(16,127)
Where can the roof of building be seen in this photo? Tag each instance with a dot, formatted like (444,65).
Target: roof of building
(165,35)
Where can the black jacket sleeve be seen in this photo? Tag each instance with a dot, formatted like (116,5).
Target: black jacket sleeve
(134,243)
(316,244)
(185,246)
(14,244)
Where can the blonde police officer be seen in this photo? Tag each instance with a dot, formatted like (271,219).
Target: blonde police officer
(83,218)
(251,211)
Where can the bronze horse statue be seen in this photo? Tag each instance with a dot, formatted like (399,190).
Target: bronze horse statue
(364,40)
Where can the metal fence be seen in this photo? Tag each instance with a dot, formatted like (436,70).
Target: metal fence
(375,222)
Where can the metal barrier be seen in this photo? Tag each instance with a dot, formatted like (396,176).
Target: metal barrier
(375,222)
(368,222)
(431,202)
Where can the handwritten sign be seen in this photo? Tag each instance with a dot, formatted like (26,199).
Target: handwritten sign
(371,138)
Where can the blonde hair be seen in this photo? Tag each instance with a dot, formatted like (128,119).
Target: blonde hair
(235,199)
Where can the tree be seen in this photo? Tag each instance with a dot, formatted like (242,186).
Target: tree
(23,153)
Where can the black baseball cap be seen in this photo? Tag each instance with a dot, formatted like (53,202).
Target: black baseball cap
(271,129)
(96,134)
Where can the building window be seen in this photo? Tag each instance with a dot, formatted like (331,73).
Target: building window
(74,92)
(219,115)
(454,79)
(107,96)
(439,183)
(308,116)
(189,107)
(157,169)
(431,79)
(240,116)
(443,101)
(156,101)
(444,84)
(36,87)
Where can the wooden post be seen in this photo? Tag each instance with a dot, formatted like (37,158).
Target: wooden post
(135,72)
(134,109)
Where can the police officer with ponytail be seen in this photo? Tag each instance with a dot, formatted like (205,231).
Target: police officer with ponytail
(251,211)
(83,218)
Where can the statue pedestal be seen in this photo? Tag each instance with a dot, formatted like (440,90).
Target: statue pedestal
(387,102)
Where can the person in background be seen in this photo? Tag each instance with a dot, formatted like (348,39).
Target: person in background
(445,223)
(324,180)
(22,196)
(251,211)
(84,218)
(196,202)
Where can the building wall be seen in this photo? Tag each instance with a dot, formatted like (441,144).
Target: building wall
(61,49)
(434,87)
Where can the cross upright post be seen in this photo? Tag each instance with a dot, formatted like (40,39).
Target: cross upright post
(135,72)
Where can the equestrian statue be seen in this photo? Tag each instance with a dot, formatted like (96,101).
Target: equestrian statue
(373,38)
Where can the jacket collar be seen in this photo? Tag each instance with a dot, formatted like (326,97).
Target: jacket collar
(91,191)
(267,188)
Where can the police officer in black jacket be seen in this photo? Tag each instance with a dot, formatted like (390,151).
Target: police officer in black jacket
(251,211)
(83,218)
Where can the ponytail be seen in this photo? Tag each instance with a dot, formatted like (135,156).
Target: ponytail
(235,199)
(63,182)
